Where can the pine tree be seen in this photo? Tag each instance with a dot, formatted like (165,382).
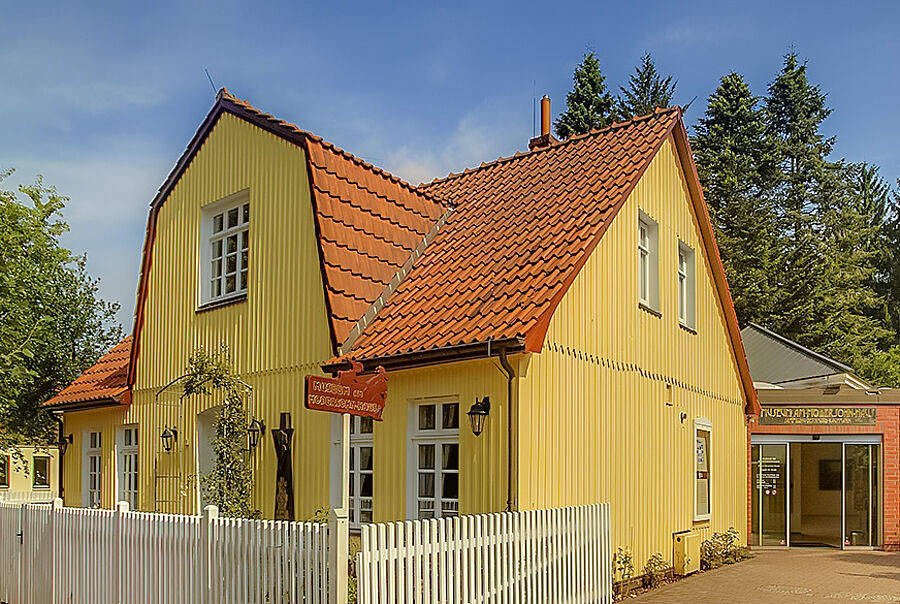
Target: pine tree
(736,167)
(589,105)
(826,298)
(646,90)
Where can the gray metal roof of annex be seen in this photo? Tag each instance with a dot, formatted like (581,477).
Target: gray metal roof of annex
(775,359)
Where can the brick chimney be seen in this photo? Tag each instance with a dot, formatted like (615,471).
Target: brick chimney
(545,137)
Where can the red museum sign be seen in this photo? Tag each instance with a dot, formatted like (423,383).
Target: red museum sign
(349,392)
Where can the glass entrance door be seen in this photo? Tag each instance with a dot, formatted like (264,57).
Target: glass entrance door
(770,472)
(860,495)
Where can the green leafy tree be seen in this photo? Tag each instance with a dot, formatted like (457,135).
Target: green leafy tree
(53,325)
(589,105)
(646,90)
(229,484)
(736,163)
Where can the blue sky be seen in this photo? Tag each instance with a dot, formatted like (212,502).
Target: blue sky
(102,97)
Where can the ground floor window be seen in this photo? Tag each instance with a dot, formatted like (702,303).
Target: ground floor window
(435,459)
(93,470)
(702,432)
(361,473)
(4,471)
(128,465)
(40,476)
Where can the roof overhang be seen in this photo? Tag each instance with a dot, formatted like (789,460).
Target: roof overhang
(435,356)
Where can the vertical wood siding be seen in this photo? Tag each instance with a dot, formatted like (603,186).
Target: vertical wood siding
(595,423)
(277,336)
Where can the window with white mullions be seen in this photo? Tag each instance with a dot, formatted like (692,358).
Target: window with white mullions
(229,251)
(648,262)
(361,470)
(94,475)
(686,286)
(128,465)
(436,450)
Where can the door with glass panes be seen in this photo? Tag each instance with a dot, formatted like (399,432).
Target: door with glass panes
(434,460)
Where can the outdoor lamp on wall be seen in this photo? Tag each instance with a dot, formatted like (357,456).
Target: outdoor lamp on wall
(255,430)
(478,414)
(63,444)
(169,437)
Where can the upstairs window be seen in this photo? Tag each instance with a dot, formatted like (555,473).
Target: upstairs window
(226,233)
(686,287)
(648,272)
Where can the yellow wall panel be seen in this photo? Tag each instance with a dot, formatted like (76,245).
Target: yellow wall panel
(613,381)
(276,337)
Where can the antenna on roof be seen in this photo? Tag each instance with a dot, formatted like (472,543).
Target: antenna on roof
(209,77)
(686,107)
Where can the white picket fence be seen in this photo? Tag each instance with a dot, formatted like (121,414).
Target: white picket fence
(556,555)
(27,496)
(50,554)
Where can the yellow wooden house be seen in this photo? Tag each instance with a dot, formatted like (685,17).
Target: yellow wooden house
(572,293)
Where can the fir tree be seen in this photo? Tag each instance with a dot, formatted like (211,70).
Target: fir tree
(734,158)
(589,105)
(646,90)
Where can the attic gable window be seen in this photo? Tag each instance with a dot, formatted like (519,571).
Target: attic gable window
(648,262)
(686,287)
(226,237)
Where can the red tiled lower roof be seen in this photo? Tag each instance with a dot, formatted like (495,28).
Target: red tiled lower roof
(104,382)
(523,229)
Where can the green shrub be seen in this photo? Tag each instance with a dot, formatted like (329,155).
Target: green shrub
(722,548)
(654,570)
(623,568)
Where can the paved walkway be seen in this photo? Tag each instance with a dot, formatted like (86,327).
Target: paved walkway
(798,575)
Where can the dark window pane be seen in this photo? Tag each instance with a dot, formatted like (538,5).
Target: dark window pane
(365,458)
(217,249)
(426,484)
(426,456)
(365,425)
(231,244)
(352,490)
(450,415)
(426,417)
(352,458)
(232,217)
(450,487)
(217,268)
(243,280)
(426,514)
(450,457)
(231,263)
(217,223)
(229,284)
(365,485)
(245,213)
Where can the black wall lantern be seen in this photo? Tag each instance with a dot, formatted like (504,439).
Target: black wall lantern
(478,414)
(169,437)
(255,430)
(63,444)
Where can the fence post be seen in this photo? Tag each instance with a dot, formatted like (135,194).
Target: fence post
(338,552)
(210,513)
(118,549)
(55,544)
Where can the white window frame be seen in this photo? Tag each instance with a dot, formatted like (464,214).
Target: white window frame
(128,459)
(92,490)
(687,286)
(648,262)
(438,437)
(701,424)
(209,236)
(360,440)
(6,462)
(34,460)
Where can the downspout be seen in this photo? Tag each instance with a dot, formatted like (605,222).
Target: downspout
(60,439)
(510,375)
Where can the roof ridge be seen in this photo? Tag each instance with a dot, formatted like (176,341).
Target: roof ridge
(224,95)
(575,138)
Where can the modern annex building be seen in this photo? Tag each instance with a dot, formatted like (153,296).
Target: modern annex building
(825,451)
(577,287)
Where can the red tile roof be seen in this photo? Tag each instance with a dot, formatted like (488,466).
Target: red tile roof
(368,221)
(105,382)
(523,229)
